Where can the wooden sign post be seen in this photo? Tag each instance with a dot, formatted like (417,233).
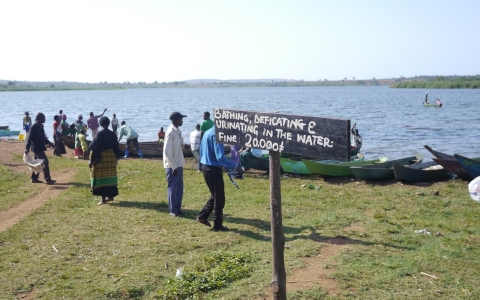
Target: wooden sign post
(321,137)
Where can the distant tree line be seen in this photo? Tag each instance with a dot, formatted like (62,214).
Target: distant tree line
(431,82)
(442,82)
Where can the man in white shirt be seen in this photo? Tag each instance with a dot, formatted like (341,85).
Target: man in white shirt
(173,162)
(195,143)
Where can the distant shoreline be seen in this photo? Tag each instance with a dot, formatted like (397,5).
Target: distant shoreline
(421,82)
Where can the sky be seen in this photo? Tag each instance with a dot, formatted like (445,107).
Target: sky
(165,40)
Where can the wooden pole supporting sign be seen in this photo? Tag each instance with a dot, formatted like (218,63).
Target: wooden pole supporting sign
(322,137)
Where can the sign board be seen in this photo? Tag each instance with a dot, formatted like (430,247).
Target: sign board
(308,136)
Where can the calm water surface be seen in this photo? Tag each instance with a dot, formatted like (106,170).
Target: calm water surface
(392,122)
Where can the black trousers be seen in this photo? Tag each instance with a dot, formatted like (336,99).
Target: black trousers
(134,142)
(46,169)
(214,179)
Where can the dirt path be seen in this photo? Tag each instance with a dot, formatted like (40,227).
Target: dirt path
(18,211)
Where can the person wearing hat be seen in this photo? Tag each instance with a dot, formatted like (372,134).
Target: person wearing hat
(132,138)
(36,142)
(173,162)
(206,125)
(27,122)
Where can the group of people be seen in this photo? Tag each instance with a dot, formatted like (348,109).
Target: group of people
(211,160)
(104,154)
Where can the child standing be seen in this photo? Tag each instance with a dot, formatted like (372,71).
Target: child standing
(83,143)
(80,138)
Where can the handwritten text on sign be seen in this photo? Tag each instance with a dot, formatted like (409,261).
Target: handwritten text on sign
(303,135)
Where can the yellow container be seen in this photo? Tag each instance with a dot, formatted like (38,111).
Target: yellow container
(21,137)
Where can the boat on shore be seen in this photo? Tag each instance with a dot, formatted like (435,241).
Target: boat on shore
(149,149)
(450,163)
(335,168)
(5,131)
(472,166)
(422,172)
(383,171)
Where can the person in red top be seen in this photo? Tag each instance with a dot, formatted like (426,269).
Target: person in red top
(57,137)
(161,135)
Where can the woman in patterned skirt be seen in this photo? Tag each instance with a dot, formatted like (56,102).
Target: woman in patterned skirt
(104,155)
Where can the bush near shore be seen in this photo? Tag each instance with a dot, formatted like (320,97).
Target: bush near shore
(440,83)
(132,248)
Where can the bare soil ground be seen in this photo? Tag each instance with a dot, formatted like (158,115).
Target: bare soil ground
(316,273)
(16,212)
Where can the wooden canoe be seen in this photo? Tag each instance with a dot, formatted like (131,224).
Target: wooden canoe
(470,165)
(329,168)
(383,171)
(431,105)
(149,149)
(5,127)
(297,165)
(422,172)
(450,163)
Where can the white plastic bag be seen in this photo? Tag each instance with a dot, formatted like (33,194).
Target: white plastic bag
(35,165)
(474,189)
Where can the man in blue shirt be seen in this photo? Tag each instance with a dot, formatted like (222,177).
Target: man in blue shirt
(213,159)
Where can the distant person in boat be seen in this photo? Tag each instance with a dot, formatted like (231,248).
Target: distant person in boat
(161,135)
(103,163)
(426,98)
(36,143)
(173,162)
(195,143)
(115,124)
(27,123)
(213,159)
(92,123)
(438,102)
(132,138)
(57,137)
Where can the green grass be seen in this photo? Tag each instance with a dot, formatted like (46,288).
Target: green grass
(132,248)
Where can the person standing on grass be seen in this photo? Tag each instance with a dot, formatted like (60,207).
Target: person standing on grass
(36,142)
(92,123)
(213,158)
(103,163)
(173,162)
(195,143)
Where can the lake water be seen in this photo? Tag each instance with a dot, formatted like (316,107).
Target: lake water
(392,122)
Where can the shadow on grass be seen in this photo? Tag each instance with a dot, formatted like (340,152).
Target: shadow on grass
(295,233)
(158,206)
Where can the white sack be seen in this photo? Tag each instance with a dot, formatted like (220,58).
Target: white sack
(35,165)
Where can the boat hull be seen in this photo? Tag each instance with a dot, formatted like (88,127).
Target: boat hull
(382,171)
(149,149)
(337,168)
(470,165)
(423,172)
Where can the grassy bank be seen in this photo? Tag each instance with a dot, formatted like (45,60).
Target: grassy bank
(440,84)
(132,248)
